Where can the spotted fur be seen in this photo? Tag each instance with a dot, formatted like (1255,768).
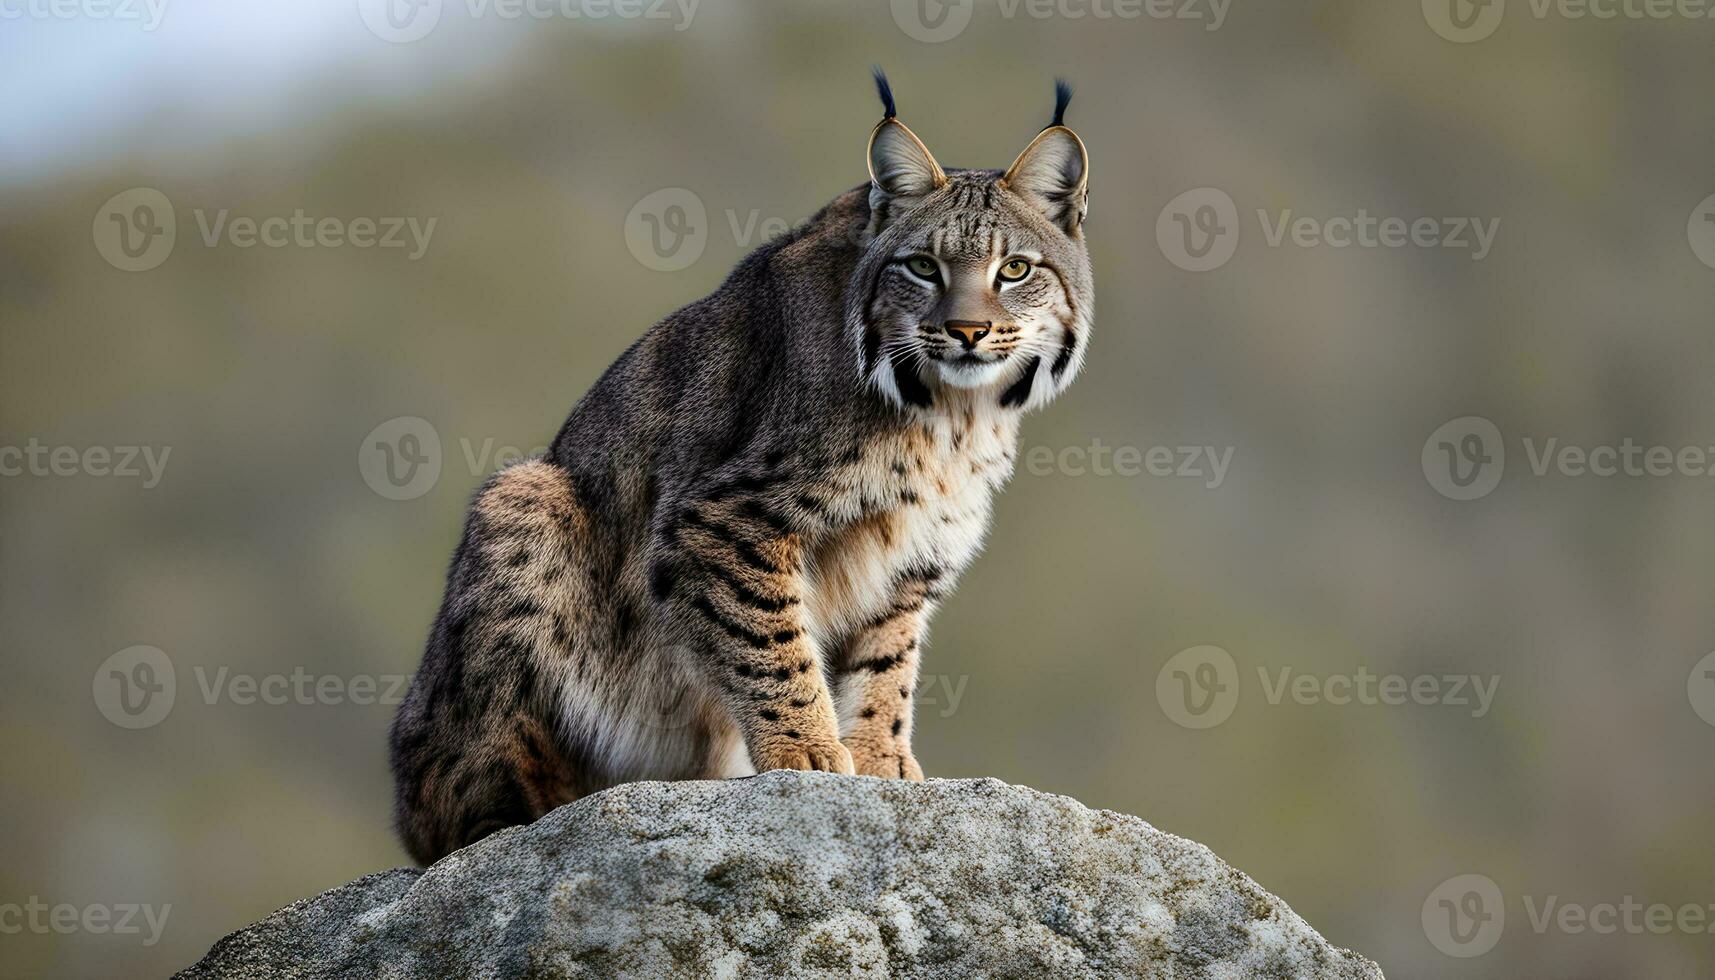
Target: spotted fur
(727,559)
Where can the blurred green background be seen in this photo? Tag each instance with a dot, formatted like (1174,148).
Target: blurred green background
(263,550)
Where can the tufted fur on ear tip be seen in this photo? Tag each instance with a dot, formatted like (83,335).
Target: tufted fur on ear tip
(1062,99)
(885,91)
(1053,173)
(901,168)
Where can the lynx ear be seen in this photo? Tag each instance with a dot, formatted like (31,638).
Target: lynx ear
(899,164)
(1053,172)
(901,168)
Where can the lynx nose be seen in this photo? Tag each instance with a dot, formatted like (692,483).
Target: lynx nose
(968,331)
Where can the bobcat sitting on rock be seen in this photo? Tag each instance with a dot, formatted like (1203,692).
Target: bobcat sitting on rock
(727,560)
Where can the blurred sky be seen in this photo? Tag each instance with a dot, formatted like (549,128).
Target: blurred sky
(96,88)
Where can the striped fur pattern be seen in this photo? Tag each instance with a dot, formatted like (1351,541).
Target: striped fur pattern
(728,558)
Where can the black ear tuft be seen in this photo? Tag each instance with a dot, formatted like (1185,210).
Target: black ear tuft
(885,91)
(1062,98)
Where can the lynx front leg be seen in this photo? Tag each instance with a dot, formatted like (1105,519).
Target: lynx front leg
(737,582)
(882,666)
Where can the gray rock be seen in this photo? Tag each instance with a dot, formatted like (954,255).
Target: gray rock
(802,875)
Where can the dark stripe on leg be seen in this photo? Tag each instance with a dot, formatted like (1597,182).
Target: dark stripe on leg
(732,629)
(744,593)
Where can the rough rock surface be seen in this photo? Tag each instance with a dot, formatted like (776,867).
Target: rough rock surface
(802,875)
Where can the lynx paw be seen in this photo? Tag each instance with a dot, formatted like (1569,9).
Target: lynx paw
(886,763)
(805,756)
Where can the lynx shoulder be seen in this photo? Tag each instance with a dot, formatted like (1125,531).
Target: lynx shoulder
(729,556)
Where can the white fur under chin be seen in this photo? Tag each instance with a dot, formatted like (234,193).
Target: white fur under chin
(971,376)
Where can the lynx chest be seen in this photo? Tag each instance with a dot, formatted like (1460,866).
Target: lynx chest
(921,500)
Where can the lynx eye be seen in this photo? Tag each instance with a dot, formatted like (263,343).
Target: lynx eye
(1013,270)
(924,267)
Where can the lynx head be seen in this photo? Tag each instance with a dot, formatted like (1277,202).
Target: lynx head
(973,280)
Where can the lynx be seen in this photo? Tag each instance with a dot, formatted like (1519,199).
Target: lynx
(727,559)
